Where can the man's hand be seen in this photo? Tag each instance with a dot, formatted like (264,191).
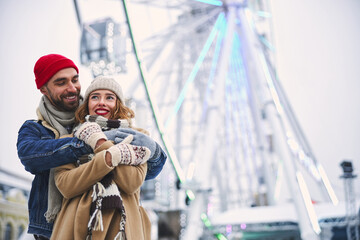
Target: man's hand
(140,139)
(111,134)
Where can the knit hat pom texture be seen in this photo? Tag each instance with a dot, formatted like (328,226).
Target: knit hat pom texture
(107,83)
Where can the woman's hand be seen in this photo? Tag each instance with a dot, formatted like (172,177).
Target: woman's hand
(124,153)
(90,133)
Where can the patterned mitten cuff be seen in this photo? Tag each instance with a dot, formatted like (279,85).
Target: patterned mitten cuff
(90,133)
(124,153)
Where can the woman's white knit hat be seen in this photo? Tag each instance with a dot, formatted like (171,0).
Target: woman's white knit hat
(107,83)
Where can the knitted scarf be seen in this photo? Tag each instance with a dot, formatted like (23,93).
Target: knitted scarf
(106,194)
(60,121)
(107,124)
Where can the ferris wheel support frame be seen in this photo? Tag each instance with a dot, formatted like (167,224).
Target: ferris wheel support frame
(309,227)
(205,151)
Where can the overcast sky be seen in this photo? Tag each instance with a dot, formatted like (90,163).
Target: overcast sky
(318,55)
(318,62)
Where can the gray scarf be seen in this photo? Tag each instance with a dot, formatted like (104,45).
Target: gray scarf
(61,121)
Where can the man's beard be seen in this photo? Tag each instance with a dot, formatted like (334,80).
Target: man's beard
(60,104)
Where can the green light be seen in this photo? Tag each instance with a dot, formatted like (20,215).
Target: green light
(220,236)
(190,195)
(207,224)
(206,220)
(212,2)
(267,43)
(264,14)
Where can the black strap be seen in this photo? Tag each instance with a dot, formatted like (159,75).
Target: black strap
(38,237)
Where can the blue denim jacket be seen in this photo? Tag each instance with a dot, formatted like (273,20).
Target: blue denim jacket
(39,151)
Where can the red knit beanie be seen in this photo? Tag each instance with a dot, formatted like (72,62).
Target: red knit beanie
(48,65)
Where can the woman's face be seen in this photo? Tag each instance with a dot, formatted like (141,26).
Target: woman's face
(101,102)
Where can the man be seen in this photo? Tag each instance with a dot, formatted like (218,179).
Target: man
(40,147)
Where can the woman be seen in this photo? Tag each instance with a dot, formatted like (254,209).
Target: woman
(101,196)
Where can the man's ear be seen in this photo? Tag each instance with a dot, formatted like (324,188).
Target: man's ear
(43,90)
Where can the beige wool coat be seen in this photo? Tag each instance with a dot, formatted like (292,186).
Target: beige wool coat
(75,184)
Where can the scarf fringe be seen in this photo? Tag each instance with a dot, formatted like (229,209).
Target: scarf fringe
(97,195)
(96,221)
(98,224)
(120,236)
(98,191)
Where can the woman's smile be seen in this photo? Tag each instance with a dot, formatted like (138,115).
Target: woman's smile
(102,102)
(101,111)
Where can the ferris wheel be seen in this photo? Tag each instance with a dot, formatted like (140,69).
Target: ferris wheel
(201,74)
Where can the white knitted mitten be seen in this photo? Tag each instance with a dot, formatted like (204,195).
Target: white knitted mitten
(90,133)
(125,153)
